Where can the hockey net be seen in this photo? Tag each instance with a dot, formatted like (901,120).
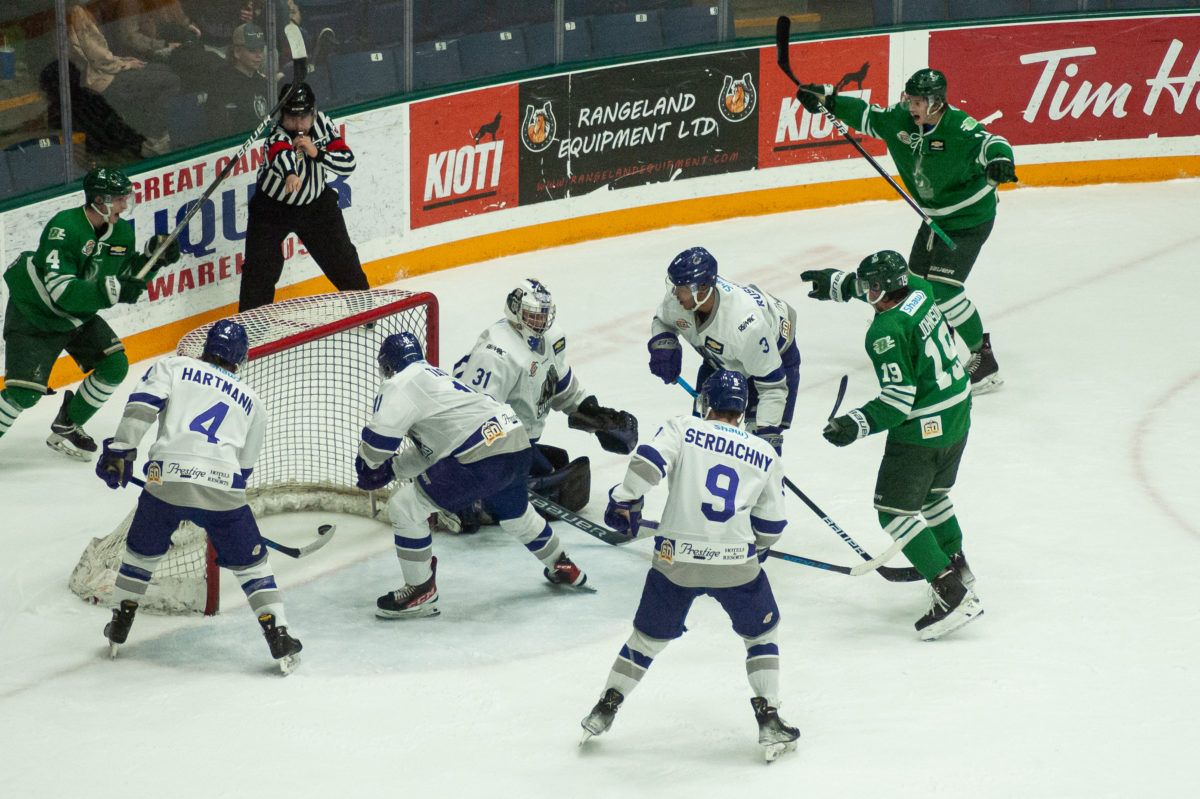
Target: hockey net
(313,363)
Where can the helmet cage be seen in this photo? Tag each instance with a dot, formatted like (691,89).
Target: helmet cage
(530,307)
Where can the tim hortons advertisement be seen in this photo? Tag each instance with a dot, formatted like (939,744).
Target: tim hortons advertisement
(790,135)
(1086,81)
(464,155)
(645,123)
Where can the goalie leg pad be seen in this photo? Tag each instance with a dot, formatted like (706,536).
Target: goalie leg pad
(570,487)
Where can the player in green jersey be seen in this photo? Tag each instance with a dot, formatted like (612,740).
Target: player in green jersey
(85,261)
(951,166)
(925,405)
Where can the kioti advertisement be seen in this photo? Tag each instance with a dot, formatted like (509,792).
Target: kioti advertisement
(1083,81)
(790,135)
(645,123)
(464,155)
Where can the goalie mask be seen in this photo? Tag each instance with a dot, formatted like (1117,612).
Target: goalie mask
(529,308)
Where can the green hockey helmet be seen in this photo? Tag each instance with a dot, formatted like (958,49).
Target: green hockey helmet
(103,185)
(927,82)
(883,272)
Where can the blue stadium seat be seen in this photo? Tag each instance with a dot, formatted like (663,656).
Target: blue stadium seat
(689,25)
(977,9)
(185,121)
(322,87)
(493,53)
(1060,6)
(436,64)
(1117,5)
(577,41)
(358,77)
(626,34)
(923,11)
(513,13)
(345,17)
(36,165)
(385,23)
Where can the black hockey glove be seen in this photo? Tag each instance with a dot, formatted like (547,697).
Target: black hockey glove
(372,478)
(846,429)
(831,284)
(624,517)
(131,288)
(617,431)
(814,95)
(115,465)
(1001,170)
(170,255)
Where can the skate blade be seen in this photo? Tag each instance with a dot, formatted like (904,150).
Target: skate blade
(587,736)
(771,752)
(395,615)
(59,444)
(112,650)
(288,664)
(987,384)
(955,621)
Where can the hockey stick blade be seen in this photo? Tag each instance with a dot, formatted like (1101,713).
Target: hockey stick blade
(876,563)
(841,395)
(585,525)
(324,534)
(783,34)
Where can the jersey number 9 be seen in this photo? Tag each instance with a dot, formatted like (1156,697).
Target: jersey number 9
(722,483)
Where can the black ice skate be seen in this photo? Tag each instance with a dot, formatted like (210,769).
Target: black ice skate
(284,648)
(67,437)
(983,369)
(565,572)
(411,601)
(117,630)
(774,734)
(602,715)
(954,605)
(958,562)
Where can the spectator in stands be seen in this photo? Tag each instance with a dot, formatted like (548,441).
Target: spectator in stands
(159,30)
(137,89)
(108,139)
(238,101)
(216,19)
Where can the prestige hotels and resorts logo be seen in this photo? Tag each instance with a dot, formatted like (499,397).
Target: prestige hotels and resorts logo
(538,127)
(738,98)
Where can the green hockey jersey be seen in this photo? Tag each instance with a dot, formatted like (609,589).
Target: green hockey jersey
(66,281)
(925,393)
(944,167)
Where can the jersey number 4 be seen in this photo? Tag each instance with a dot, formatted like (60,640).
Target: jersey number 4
(206,424)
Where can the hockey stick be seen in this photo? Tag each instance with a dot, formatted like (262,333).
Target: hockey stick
(783,32)
(324,534)
(585,525)
(903,574)
(299,73)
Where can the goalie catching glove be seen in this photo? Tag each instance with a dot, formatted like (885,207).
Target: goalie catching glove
(617,431)
(115,465)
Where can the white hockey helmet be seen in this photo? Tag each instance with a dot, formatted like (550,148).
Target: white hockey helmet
(530,308)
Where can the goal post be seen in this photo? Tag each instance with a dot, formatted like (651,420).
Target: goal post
(313,363)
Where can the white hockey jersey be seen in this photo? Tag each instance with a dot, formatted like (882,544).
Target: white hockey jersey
(725,500)
(441,417)
(210,432)
(745,332)
(503,365)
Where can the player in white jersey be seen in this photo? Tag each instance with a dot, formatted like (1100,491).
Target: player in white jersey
(724,511)
(522,360)
(210,432)
(731,326)
(460,446)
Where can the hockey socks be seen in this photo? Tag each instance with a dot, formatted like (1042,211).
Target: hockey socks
(415,556)
(258,584)
(960,314)
(923,550)
(133,576)
(762,665)
(92,394)
(534,532)
(8,413)
(633,661)
(939,515)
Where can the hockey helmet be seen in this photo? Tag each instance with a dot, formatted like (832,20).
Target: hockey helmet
(696,269)
(530,307)
(398,351)
(884,272)
(302,102)
(725,391)
(227,341)
(102,186)
(929,83)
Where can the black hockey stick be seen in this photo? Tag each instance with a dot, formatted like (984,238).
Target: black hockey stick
(324,534)
(299,73)
(903,574)
(588,526)
(783,32)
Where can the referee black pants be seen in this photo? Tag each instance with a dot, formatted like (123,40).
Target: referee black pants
(319,225)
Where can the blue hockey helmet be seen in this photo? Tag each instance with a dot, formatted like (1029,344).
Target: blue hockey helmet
(227,340)
(398,351)
(726,391)
(694,266)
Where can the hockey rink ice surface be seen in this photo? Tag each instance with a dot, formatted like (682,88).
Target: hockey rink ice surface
(1078,498)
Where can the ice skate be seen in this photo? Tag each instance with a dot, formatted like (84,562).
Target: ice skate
(774,734)
(958,562)
(601,718)
(68,437)
(565,572)
(953,606)
(284,648)
(117,630)
(984,371)
(411,601)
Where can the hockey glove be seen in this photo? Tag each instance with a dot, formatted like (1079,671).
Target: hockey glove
(763,553)
(617,431)
(170,255)
(847,428)
(624,517)
(773,436)
(666,358)
(131,288)
(1001,170)
(370,479)
(814,95)
(115,465)
(831,284)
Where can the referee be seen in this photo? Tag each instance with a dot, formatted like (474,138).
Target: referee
(292,197)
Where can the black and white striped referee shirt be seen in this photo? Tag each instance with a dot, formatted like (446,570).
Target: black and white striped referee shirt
(281,160)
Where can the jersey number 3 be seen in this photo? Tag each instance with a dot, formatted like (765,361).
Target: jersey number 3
(722,483)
